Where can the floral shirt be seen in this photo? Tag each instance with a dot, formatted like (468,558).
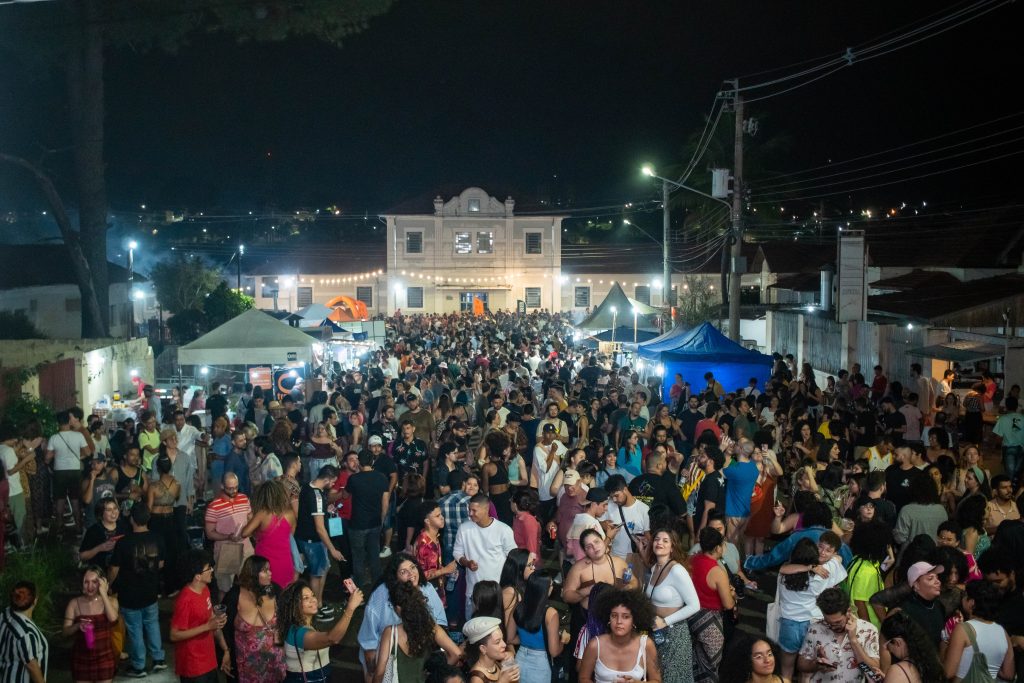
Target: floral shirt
(839,651)
(428,557)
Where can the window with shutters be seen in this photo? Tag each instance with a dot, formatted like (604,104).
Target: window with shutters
(414,242)
(642,293)
(414,297)
(365,294)
(534,244)
(582,297)
(463,243)
(485,242)
(304,297)
(532,297)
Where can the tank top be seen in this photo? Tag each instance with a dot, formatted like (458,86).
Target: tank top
(164,496)
(534,640)
(500,477)
(124,482)
(513,469)
(700,565)
(604,674)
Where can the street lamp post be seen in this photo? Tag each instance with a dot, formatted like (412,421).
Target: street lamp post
(132,246)
(615,315)
(635,314)
(241,253)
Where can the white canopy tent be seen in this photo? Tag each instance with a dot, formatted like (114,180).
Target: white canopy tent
(252,338)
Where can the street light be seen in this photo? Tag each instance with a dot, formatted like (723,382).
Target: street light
(132,246)
(615,315)
(241,253)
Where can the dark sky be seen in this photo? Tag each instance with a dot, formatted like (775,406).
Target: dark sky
(555,98)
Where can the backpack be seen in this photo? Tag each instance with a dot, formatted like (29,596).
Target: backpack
(978,670)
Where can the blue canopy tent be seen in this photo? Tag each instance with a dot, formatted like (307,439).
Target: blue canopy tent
(702,349)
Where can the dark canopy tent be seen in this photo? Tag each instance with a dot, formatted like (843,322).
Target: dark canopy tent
(702,349)
(616,310)
(623,334)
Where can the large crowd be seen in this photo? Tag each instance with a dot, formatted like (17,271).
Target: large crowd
(464,483)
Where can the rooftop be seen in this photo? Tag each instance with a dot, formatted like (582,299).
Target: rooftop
(41,265)
(943,301)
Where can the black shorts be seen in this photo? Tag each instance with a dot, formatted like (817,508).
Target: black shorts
(67,483)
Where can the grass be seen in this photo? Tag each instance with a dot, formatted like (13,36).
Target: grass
(51,569)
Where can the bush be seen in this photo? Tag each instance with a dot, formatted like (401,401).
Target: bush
(24,409)
(53,571)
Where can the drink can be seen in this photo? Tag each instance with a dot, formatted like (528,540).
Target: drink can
(89,633)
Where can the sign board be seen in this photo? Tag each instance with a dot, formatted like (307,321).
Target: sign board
(520,306)
(261,377)
(852,300)
(293,355)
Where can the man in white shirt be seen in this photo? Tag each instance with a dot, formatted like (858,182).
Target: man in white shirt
(65,452)
(13,465)
(481,546)
(551,418)
(547,456)
(914,418)
(631,516)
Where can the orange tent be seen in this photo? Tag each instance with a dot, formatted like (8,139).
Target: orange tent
(478,306)
(347,309)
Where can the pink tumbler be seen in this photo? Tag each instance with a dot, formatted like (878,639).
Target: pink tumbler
(89,633)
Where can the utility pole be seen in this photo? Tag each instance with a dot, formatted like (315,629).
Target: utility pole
(241,250)
(737,212)
(666,268)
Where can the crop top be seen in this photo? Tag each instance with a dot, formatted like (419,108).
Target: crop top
(675,590)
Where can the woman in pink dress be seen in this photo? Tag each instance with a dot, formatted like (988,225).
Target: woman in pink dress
(272,522)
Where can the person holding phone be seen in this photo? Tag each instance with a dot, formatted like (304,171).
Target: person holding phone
(838,647)
(98,543)
(196,623)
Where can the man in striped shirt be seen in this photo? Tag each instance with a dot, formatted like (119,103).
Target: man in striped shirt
(23,648)
(226,515)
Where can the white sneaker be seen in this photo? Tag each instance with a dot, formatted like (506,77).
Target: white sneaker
(385,553)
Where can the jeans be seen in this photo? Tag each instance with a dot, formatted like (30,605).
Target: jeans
(1013,458)
(365,553)
(136,623)
(534,665)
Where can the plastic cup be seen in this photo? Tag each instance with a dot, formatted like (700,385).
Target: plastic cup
(220,610)
(89,632)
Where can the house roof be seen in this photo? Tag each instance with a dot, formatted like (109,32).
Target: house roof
(799,282)
(990,239)
(644,258)
(915,279)
(364,258)
(942,301)
(40,265)
(789,256)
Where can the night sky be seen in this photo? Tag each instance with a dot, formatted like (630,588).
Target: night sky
(557,99)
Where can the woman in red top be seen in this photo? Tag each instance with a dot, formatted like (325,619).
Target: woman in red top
(710,625)
(428,549)
(525,527)
(92,654)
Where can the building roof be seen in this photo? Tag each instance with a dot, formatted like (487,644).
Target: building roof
(40,265)
(643,258)
(362,258)
(916,279)
(791,256)
(799,282)
(943,302)
(990,239)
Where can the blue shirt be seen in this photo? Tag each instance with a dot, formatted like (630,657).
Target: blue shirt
(601,478)
(632,463)
(779,555)
(455,508)
(740,478)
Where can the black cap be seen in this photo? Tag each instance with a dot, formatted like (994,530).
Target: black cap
(597,495)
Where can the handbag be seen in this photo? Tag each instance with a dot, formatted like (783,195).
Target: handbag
(334,526)
(391,670)
(977,672)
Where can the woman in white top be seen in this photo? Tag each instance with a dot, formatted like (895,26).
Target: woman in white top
(306,650)
(675,600)
(981,603)
(811,569)
(622,654)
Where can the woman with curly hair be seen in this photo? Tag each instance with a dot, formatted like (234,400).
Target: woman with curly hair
(307,650)
(411,641)
(751,659)
(871,545)
(272,522)
(625,651)
(914,659)
(258,654)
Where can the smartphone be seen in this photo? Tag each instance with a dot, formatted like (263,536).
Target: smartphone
(350,585)
(116,538)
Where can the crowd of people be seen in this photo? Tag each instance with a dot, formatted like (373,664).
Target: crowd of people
(460,483)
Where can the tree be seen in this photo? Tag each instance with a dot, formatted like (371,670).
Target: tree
(224,303)
(73,36)
(183,282)
(16,325)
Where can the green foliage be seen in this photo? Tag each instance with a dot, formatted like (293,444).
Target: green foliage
(225,303)
(24,408)
(182,282)
(187,325)
(16,325)
(697,303)
(53,571)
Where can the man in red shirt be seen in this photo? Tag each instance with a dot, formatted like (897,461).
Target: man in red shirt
(712,411)
(879,385)
(194,625)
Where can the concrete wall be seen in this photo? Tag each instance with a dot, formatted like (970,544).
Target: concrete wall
(101,365)
(56,310)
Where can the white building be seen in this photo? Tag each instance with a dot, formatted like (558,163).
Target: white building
(37,280)
(473,246)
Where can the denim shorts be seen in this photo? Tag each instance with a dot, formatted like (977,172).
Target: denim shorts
(317,560)
(791,634)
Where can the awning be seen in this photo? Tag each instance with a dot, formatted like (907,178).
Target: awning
(961,351)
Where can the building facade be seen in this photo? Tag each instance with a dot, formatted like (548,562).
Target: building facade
(473,247)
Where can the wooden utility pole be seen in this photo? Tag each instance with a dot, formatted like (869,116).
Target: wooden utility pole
(737,213)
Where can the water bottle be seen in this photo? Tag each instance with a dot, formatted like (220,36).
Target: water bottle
(627,575)
(453,579)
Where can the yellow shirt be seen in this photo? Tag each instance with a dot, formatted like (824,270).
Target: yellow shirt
(151,439)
